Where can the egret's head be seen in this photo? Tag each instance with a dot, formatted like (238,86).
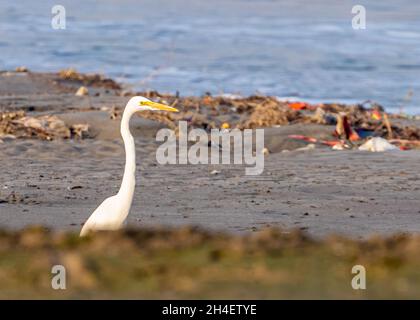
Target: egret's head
(139,103)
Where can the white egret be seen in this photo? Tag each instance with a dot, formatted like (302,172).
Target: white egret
(113,211)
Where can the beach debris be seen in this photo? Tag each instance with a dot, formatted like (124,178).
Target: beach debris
(406,144)
(387,124)
(344,130)
(270,113)
(45,127)
(330,143)
(398,132)
(225,125)
(338,147)
(376,115)
(74,187)
(298,105)
(79,130)
(265,151)
(88,80)
(82,91)
(308,147)
(353,122)
(322,117)
(7,116)
(114,113)
(21,69)
(69,74)
(48,126)
(207,100)
(377,144)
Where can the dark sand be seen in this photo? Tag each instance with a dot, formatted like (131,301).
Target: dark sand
(59,183)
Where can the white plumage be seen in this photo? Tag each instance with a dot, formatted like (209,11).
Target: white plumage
(113,211)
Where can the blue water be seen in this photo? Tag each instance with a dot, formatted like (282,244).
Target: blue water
(304,49)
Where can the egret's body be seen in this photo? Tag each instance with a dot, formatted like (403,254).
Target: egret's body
(113,211)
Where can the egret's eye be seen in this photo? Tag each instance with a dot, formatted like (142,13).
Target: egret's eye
(142,103)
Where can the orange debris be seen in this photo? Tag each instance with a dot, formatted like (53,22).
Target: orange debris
(298,105)
(376,115)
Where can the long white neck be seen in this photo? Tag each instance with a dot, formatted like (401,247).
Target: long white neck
(129,180)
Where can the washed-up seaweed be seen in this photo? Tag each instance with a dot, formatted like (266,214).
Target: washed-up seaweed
(209,112)
(46,127)
(90,80)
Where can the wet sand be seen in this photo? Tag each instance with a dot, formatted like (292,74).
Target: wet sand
(59,183)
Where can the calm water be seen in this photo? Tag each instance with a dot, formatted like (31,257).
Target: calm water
(304,49)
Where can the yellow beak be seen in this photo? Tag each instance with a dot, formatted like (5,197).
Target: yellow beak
(159,106)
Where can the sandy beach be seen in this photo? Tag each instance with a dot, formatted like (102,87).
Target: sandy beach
(59,183)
